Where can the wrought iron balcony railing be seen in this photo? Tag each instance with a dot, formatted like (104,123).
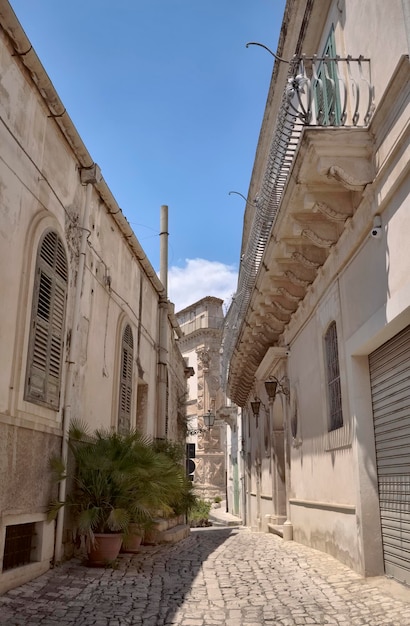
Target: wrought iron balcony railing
(325,91)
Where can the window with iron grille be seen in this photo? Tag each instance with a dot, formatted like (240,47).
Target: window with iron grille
(18,545)
(127,355)
(334,393)
(326,90)
(44,362)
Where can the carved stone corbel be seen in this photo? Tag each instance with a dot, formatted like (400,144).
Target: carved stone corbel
(300,258)
(347,180)
(331,214)
(318,241)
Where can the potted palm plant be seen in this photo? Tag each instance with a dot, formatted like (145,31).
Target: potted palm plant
(116,486)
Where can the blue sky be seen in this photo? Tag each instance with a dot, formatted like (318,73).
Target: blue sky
(169,103)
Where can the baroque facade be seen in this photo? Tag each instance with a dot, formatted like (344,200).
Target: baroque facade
(83,313)
(322,310)
(201,325)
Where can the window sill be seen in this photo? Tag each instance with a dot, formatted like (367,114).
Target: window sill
(339,439)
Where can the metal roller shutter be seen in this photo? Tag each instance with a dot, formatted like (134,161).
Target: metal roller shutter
(390,385)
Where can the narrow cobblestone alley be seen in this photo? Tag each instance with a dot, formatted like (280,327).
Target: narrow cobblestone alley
(215,577)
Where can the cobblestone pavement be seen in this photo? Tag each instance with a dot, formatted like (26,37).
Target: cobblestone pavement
(215,577)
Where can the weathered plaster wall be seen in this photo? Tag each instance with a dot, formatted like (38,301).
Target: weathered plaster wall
(24,464)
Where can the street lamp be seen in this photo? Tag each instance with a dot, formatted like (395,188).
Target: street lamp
(209,419)
(274,386)
(255,406)
(270,387)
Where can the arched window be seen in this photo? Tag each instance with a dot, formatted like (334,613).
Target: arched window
(44,364)
(127,355)
(334,393)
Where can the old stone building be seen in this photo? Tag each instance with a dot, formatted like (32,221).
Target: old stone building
(201,325)
(317,339)
(84,318)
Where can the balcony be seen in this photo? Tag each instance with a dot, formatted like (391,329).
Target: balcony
(319,164)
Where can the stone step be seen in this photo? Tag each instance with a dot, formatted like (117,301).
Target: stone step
(175,534)
(276,529)
(219,517)
(168,535)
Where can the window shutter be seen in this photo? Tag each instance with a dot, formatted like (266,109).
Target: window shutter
(47,326)
(333,378)
(127,355)
(327,92)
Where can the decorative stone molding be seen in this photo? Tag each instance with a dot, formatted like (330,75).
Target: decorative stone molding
(300,258)
(318,241)
(295,280)
(334,216)
(204,359)
(229,415)
(283,309)
(213,383)
(290,296)
(347,180)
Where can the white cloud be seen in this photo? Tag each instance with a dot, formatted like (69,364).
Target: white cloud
(199,278)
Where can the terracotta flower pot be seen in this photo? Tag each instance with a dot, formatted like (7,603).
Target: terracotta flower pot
(132,541)
(105,549)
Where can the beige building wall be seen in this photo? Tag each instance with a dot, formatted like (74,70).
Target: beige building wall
(321,486)
(50,184)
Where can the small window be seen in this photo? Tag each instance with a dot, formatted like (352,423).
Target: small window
(334,393)
(18,545)
(127,355)
(44,364)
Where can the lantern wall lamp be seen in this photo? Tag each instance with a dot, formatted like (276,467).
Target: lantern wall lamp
(274,386)
(209,420)
(255,406)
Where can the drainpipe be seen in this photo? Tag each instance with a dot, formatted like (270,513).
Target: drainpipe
(88,176)
(163,327)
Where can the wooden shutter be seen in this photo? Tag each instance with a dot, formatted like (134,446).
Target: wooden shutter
(44,364)
(327,91)
(333,378)
(127,355)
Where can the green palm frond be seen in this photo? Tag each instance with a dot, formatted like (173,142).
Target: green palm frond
(53,508)
(118,520)
(78,430)
(89,519)
(58,469)
(120,479)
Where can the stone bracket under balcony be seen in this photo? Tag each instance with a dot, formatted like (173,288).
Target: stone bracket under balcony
(331,169)
(229,414)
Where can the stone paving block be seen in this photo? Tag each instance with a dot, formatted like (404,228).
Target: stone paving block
(221,577)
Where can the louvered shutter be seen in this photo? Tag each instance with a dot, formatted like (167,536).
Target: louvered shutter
(47,324)
(390,385)
(327,91)
(127,355)
(333,378)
